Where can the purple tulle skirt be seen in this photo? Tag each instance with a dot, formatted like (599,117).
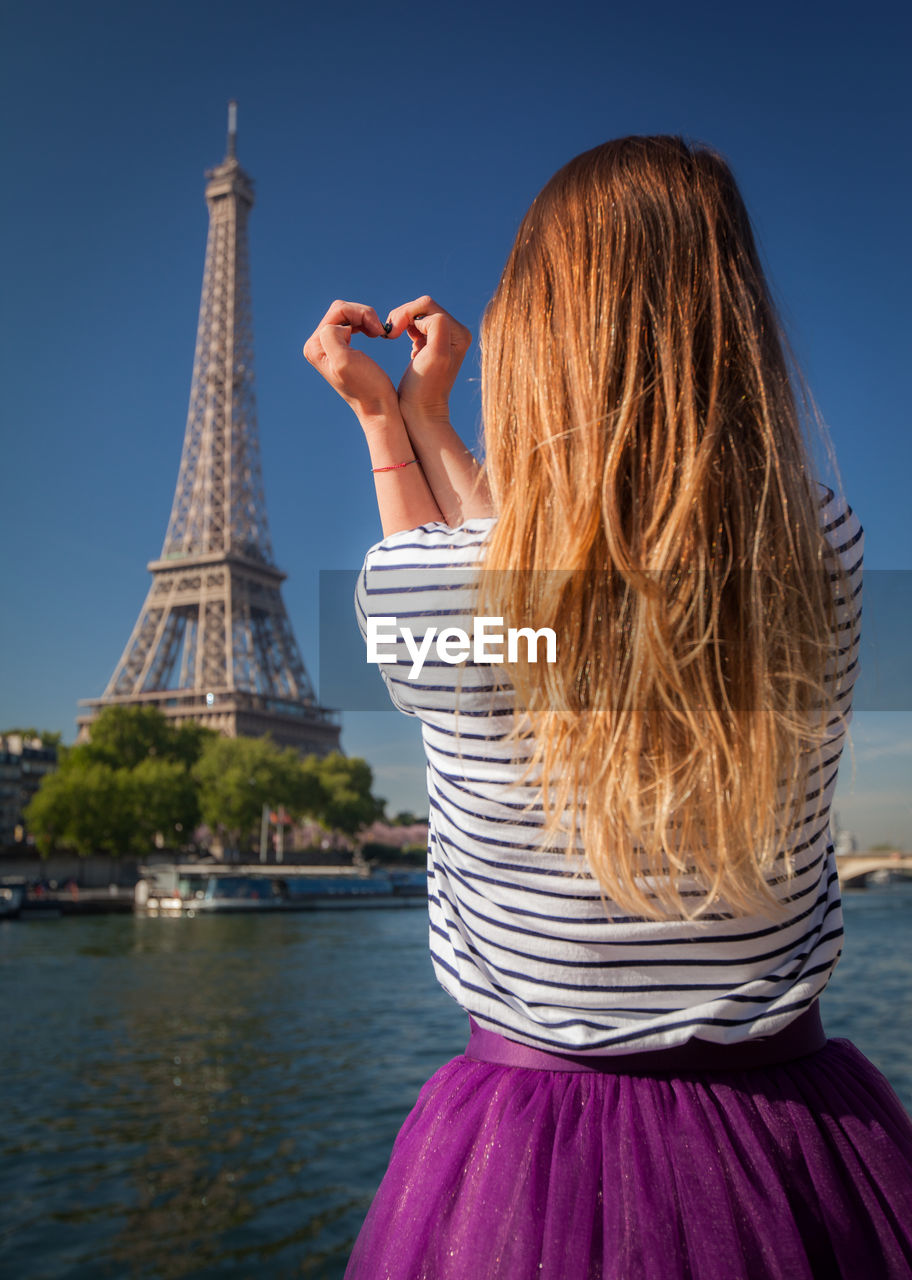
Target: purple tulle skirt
(800,1170)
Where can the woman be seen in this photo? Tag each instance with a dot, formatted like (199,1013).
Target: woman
(631,881)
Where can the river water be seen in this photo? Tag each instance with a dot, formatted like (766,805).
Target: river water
(218,1097)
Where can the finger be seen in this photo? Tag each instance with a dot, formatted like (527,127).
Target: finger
(361,318)
(335,340)
(419,334)
(313,350)
(401,317)
(324,348)
(441,333)
(431,331)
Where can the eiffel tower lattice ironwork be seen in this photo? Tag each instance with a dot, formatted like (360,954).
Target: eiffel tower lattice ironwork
(213,642)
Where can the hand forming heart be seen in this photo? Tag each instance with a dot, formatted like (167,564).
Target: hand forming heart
(439,344)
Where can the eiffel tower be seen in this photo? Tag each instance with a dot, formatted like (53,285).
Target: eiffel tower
(213,642)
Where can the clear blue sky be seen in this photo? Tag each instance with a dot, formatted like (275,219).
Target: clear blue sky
(394,149)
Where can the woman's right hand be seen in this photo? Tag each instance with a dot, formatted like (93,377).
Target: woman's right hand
(439,345)
(360,381)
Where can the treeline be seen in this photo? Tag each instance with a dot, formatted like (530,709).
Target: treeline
(141,779)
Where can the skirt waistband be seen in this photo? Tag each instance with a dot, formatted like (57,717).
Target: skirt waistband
(803,1036)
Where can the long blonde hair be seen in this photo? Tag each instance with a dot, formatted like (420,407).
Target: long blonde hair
(655,507)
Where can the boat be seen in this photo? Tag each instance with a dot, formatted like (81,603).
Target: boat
(12,897)
(192,889)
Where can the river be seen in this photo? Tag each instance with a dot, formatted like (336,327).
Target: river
(218,1096)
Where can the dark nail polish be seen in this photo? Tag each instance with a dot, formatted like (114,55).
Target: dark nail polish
(387,327)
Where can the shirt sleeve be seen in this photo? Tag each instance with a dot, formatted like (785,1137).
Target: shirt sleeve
(414,594)
(845,535)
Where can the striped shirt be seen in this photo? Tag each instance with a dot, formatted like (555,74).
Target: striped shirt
(520,935)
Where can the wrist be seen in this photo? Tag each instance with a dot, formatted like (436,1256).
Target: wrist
(387,441)
(424,416)
(379,420)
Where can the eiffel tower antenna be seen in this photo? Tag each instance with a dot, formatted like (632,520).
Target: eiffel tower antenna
(213,642)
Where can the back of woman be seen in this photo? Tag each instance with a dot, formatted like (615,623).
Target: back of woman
(631,880)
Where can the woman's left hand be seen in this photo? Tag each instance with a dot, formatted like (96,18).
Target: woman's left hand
(439,345)
(358,380)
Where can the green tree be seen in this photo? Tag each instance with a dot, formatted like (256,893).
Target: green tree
(405,818)
(347,803)
(88,808)
(124,737)
(167,800)
(115,793)
(53,811)
(238,776)
(140,776)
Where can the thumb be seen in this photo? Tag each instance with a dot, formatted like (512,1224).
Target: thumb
(435,331)
(336,341)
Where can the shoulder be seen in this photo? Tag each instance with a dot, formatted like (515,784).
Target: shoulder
(429,571)
(839,523)
(430,545)
(837,517)
(414,586)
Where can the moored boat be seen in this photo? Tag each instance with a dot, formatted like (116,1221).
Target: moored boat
(12,896)
(189,890)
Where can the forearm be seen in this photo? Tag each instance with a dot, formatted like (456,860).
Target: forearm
(452,471)
(404,496)
(423,471)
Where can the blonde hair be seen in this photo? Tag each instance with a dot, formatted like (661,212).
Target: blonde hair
(645,454)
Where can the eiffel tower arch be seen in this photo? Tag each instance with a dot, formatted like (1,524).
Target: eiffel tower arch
(213,642)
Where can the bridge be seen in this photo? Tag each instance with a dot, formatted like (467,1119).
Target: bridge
(854,868)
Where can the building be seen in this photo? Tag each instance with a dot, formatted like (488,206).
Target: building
(24,761)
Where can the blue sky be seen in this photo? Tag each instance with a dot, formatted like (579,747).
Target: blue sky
(394,150)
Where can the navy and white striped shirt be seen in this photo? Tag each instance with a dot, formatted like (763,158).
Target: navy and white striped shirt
(520,936)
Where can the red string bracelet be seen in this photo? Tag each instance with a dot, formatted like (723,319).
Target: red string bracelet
(397,466)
